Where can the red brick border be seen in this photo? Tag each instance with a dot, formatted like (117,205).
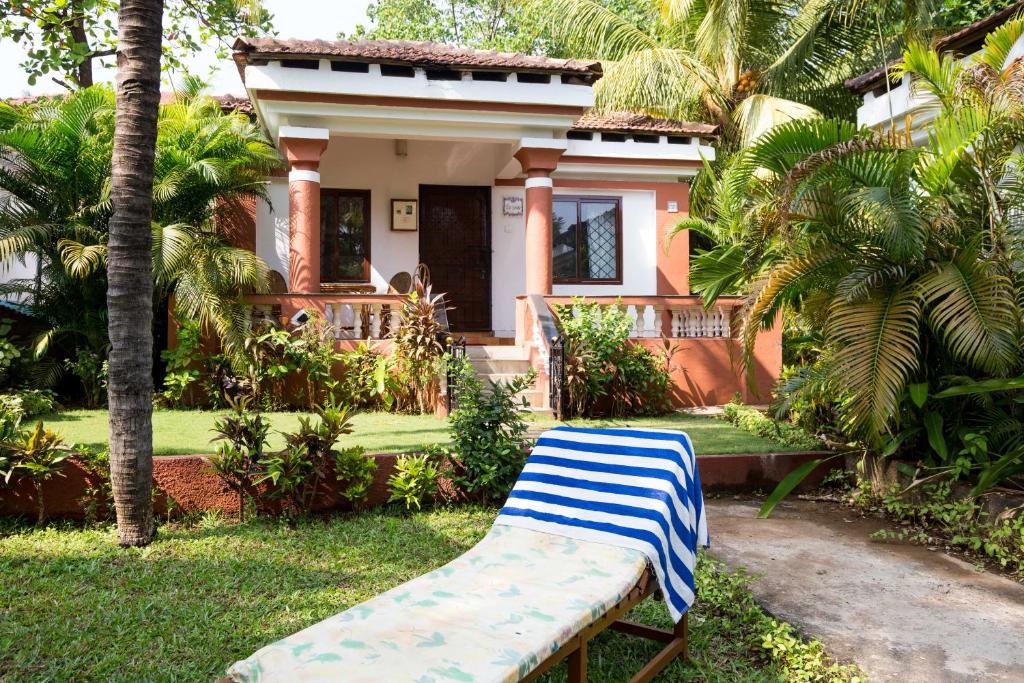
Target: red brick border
(186,481)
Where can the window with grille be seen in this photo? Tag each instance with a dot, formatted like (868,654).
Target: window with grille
(587,240)
(344,235)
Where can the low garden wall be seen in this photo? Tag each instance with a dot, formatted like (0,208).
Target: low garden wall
(185,484)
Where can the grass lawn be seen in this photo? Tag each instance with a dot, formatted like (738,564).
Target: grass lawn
(75,607)
(178,432)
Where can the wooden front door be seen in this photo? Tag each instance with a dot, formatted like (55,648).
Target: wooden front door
(455,243)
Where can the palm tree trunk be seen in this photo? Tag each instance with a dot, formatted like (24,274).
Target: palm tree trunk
(130,269)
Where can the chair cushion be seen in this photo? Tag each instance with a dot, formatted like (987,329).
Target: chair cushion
(493,614)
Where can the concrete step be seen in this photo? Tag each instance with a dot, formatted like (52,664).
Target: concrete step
(499,366)
(498,352)
(506,377)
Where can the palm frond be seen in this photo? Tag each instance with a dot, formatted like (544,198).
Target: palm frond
(971,309)
(82,260)
(876,353)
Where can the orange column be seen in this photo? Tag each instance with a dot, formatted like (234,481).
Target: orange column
(538,163)
(673,255)
(303,149)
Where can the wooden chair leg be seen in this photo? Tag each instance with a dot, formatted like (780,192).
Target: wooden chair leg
(682,632)
(578,664)
(677,647)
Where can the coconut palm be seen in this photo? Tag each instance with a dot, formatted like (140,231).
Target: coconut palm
(908,260)
(55,172)
(743,64)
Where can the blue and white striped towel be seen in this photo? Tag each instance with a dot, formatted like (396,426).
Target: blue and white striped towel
(634,488)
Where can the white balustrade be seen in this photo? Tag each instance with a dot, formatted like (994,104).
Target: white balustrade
(684,320)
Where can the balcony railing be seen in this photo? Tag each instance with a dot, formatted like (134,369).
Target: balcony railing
(351,316)
(672,317)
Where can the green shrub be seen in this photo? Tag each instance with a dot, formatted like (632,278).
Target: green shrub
(368,379)
(418,352)
(414,481)
(237,462)
(297,471)
(488,430)
(183,362)
(10,354)
(97,503)
(606,375)
(940,517)
(29,402)
(90,368)
(355,470)
(37,455)
(755,422)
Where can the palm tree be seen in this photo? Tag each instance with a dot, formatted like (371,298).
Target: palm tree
(744,64)
(55,168)
(130,269)
(908,260)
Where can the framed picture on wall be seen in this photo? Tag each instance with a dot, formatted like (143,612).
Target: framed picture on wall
(512,206)
(404,214)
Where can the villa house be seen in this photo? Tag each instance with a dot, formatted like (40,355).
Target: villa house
(895,104)
(487,169)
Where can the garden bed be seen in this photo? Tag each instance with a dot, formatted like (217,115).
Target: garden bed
(206,594)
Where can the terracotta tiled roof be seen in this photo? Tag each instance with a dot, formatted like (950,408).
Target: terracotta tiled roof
(624,122)
(412,53)
(242,104)
(967,39)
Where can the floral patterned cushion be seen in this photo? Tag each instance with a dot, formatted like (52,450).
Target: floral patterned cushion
(491,615)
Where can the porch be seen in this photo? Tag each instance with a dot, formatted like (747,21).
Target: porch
(488,171)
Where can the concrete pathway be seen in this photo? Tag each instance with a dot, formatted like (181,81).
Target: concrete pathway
(902,612)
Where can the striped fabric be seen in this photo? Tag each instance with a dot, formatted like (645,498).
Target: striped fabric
(634,488)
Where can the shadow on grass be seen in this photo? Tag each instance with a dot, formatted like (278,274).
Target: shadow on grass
(198,599)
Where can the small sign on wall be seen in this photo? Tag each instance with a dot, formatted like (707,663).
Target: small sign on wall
(512,206)
(404,215)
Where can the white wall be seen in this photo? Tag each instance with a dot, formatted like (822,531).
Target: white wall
(365,164)
(639,253)
(14,269)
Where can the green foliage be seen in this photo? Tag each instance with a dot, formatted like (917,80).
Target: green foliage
(938,516)
(98,501)
(315,356)
(503,25)
(183,361)
(414,481)
(65,38)
(953,14)
(10,352)
(29,402)
(38,455)
(488,434)
(754,421)
(606,375)
(743,66)
(368,379)
(91,370)
(238,461)
(55,164)
(904,259)
(296,473)
(289,472)
(419,354)
(355,470)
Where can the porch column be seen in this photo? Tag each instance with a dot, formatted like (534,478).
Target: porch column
(303,148)
(538,160)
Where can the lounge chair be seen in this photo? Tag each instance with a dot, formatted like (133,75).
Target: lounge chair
(546,579)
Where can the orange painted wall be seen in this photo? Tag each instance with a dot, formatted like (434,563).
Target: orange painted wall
(707,372)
